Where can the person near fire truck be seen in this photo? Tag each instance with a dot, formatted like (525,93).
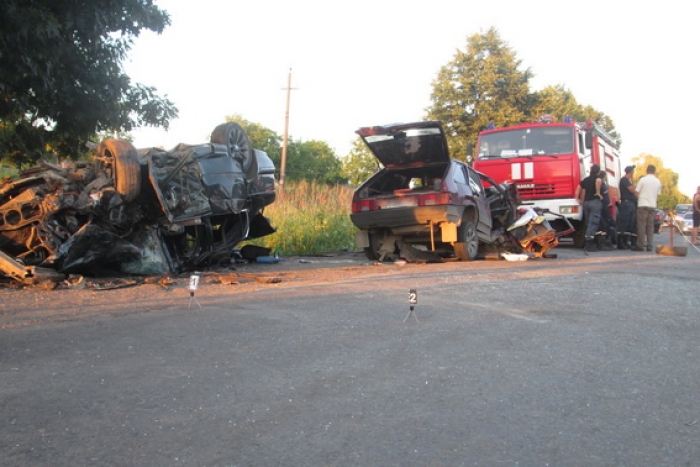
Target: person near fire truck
(696,217)
(606,230)
(627,221)
(648,190)
(588,193)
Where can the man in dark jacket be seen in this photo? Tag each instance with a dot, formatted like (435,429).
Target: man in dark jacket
(606,231)
(588,193)
(626,225)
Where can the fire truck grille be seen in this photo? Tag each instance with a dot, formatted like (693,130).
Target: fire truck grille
(532,190)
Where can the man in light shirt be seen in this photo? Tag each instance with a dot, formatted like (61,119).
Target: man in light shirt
(648,189)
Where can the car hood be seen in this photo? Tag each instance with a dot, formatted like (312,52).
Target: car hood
(407,144)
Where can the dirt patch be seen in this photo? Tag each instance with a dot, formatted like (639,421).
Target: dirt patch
(80,297)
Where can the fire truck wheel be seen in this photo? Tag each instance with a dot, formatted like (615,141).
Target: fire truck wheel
(234,137)
(468,248)
(125,166)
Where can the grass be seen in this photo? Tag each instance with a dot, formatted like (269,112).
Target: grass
(7,171)
(310,218)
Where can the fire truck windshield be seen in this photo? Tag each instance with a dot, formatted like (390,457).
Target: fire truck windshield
(545,140)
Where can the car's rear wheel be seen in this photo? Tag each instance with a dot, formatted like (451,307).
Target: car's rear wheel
(371,254)
(122,156)
(234,137)
(467,248)
(372,251)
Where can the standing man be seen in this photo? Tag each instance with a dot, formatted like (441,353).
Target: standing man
(696,217)
(648,189)
(628,207)
(606,230)
(588,193)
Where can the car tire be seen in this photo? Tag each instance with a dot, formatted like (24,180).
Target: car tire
(468,248)
(126,170)
(371,254)
(234,137)
(372,251)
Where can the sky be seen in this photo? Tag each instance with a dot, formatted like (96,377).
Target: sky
(361,63)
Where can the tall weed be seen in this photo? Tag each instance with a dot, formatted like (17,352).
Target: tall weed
(7,171)
(310,218)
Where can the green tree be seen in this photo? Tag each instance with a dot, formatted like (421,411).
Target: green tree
(485,84)
(309,160)
(480,85)
(560,102)
(670,194)
(61,76)
(359,164)
(314,161)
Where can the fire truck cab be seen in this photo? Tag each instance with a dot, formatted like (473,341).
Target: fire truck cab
(547,160)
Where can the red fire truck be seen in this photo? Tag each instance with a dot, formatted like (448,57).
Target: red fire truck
(547,160)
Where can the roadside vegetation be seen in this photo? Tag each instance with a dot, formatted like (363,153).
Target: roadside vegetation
(311,218)
(6,171)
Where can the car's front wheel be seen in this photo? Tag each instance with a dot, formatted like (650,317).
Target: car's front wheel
(468,247)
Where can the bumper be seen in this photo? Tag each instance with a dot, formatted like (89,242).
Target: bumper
(407,218)
(557,206)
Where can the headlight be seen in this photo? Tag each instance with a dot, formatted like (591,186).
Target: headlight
(569,209)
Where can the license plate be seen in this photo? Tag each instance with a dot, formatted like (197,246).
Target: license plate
(399,202)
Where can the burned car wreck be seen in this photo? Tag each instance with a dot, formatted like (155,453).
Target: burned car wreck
(425,206)
(145,211)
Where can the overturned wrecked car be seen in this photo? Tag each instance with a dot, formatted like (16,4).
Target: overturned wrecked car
(145,211)
(424,204)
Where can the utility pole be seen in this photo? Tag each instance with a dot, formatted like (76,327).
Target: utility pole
(283,163)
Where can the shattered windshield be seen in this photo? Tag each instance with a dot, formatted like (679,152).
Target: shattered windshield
(527,142)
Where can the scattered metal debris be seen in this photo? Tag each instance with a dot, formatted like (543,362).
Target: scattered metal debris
(268,280)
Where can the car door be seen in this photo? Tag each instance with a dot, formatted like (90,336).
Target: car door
(470,193)
(479,194)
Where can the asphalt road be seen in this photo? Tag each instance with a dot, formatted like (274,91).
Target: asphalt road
(580,360)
